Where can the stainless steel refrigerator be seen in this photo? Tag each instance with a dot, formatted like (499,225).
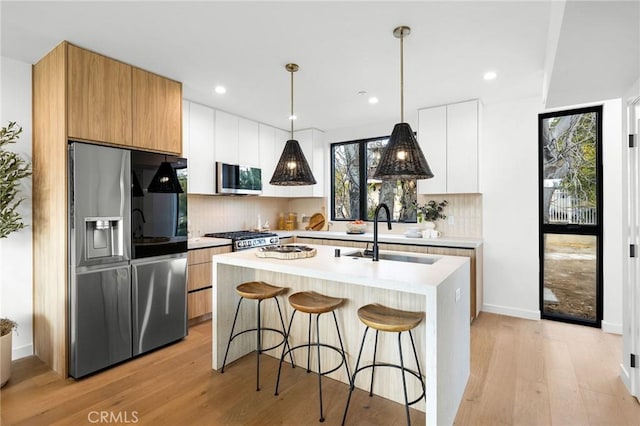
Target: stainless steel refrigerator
(114,306)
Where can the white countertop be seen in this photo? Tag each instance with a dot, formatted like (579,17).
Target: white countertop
(383,237)
(204,242)
(394,275)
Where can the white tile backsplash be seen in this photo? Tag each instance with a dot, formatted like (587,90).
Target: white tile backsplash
(234,213)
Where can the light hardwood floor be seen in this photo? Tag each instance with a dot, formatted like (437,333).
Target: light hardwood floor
(522,373)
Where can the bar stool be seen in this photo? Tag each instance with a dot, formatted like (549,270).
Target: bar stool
(257,290)
(382,318)
(311,303)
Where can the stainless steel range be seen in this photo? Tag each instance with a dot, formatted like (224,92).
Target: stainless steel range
(243,240)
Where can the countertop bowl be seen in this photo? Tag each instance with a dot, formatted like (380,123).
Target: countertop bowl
(356,228)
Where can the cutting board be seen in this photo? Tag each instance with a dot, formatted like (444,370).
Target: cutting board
(316,222)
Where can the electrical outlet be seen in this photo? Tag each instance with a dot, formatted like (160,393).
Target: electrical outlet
(451,220)
(458,295)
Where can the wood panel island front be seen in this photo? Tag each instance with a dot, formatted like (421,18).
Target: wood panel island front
(440,289)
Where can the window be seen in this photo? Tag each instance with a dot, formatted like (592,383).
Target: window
(354,192)
(570,203)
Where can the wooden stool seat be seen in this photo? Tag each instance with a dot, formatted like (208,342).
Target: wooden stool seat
(259,290)
(311,302)
(382,318)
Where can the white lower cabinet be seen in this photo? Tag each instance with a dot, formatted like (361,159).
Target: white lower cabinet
(448,136)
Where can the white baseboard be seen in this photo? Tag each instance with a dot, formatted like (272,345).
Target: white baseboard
(21,352)
(626,378)
(610,327)
(511,312)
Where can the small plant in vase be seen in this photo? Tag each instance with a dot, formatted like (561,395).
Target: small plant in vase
(428,213)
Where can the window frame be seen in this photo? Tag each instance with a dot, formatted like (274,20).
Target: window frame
(362,173)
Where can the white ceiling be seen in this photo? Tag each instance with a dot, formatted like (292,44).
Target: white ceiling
(343,48)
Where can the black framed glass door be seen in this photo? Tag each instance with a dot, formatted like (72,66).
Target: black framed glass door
(570,203)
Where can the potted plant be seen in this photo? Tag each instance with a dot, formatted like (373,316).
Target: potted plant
(13,168)
(428,213)
(6,332)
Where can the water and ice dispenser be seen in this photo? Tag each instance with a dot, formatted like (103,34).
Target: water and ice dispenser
(103,237)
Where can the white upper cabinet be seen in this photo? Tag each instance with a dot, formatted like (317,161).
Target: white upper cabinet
(268,152)
(318,164)
(448,136)
(210,136)
(432,137)
(237,140)
(248,143)
(200,151)
(226,131)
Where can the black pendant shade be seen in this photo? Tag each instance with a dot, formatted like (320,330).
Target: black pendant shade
(165,180)
(292,168)
(402,158)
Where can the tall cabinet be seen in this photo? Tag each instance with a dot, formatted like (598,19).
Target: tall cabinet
(81,95)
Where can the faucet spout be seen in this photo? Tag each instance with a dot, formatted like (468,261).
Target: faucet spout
(375,228)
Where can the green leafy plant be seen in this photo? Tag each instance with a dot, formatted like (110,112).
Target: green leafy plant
(7,325)
(12,169)
(431,211)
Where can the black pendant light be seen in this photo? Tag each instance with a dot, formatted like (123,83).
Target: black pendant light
(292,168)
(402,158)
(165,180)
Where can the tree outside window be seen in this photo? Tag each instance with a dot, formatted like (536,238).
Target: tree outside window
(356,194)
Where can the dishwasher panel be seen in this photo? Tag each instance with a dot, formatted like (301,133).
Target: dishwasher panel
(159,290)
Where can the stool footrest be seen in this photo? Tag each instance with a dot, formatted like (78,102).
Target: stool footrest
(315,345)
(385,364)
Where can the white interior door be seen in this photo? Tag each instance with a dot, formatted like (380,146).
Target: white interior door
(634,237)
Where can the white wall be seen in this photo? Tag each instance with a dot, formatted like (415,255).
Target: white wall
(509,187)
(509,183)
(16,276)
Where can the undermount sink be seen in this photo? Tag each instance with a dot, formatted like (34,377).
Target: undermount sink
(395,257)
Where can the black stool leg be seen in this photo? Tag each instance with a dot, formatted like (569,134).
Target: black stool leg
(284,352)
(258,347)
(404,380)
(415,353)
(373,368)
(231,335)
(284,330)
(344,356)
(309,346)
(353,379)
(319,367)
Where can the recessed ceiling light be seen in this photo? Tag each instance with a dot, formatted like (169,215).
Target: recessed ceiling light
(490,75)
(220,90)
(292,117)
(373,100)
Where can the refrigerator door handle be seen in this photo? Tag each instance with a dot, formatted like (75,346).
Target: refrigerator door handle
(134,303)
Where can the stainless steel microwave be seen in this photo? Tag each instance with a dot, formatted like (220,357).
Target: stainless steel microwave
(235,179)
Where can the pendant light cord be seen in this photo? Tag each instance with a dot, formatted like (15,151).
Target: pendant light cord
(402,76)
(291,116)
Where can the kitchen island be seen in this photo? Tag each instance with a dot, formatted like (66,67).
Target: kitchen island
(440,289)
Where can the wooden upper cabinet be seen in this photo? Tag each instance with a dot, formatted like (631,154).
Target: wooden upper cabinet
(157,112)
(99,98)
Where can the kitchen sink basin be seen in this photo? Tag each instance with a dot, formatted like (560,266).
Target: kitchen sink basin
(394,257)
